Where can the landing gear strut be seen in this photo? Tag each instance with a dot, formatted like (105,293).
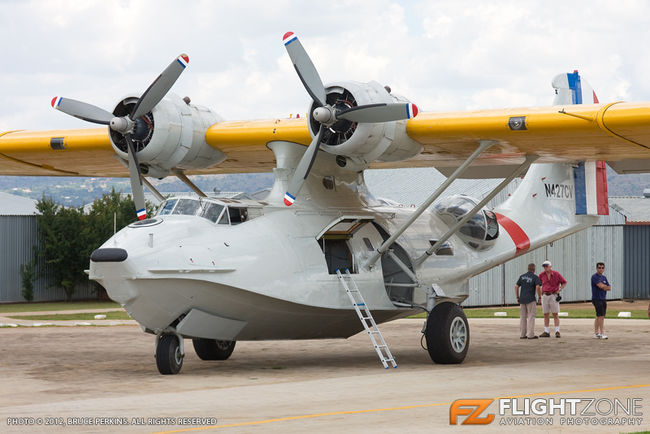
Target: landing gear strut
(169,354)
(447,333)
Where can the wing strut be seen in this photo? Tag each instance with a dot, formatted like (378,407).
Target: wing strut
(153,189)
(521,168)
(181,175)
(483,146)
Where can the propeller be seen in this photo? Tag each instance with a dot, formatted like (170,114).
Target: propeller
(326,115)
(128,125)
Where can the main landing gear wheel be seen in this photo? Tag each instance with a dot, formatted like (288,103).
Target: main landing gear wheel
(168,355)
(212,349)
(447,334)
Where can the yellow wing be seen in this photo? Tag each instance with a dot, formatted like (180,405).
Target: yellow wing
(617,132)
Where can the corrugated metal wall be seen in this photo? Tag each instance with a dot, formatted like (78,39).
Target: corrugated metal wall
(574,257)
(17,240)
(637,268)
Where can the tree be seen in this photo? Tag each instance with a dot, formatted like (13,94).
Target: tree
(61,239)
(67,236)
(100,219)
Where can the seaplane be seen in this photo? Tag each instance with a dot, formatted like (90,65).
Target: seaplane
(320,257)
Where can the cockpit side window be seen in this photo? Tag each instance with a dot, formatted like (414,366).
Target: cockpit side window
(212,211)
(237,215)
(224,218)
(167,207)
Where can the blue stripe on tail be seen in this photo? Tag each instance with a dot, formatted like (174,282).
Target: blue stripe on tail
(580,188)
(576,87)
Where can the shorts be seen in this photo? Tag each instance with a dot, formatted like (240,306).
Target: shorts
(549,304)
(601,307)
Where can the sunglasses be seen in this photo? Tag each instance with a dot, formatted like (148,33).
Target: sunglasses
(545,266)
(600,267)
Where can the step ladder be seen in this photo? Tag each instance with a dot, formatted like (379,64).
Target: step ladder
(366,318)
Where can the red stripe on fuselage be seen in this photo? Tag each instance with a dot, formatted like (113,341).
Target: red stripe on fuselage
(602,199)
(519,237)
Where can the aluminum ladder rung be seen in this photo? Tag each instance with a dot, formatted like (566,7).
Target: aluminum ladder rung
(366,317)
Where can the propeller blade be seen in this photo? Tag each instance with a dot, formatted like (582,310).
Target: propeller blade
(159,88)
(136,181)
(379,112)
(304,166)
(82,110)
(305,68)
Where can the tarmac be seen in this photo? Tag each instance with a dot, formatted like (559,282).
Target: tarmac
(104,379)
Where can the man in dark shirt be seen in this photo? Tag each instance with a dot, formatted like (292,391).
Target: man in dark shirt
(599,288)
(529,283)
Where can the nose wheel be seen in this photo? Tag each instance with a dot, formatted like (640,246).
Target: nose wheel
(169,354)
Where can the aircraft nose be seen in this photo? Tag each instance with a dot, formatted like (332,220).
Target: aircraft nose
(112,254)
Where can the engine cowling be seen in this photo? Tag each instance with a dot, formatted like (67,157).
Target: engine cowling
(171,136)
(362,143)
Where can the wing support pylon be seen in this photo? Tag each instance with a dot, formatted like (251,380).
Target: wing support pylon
(484,145)
(518,171)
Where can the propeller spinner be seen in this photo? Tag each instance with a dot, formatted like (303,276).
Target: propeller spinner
(126,125)
(326,115)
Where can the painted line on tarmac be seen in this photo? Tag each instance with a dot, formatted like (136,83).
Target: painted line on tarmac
(378,410)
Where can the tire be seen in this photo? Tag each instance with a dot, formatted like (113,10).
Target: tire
(212,349)
(447,334)
(168,355)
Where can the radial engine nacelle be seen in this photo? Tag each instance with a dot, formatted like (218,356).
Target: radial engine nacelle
(363,142)
(171,135)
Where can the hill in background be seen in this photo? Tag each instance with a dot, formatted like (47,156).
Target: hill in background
(80,191)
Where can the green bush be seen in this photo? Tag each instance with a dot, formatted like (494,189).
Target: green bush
(27,274)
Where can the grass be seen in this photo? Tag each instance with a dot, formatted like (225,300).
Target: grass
(60,305)
(513,312)
(74,316)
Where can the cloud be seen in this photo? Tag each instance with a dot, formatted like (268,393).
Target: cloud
(443,55)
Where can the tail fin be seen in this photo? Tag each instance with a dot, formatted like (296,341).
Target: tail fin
(590,176)
(571,88)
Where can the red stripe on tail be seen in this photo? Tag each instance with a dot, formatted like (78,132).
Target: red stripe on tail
(602,199)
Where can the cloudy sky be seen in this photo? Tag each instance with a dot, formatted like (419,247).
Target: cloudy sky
(443,55)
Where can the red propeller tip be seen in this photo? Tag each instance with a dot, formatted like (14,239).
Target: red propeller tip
(186,58)
(54,100)
(286,35)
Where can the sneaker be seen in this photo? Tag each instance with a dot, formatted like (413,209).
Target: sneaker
(534,337)
(557,334)
(522,337)
(603,336)
(598,336)
(545,335)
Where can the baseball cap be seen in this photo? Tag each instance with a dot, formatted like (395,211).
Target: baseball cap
(547,263)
